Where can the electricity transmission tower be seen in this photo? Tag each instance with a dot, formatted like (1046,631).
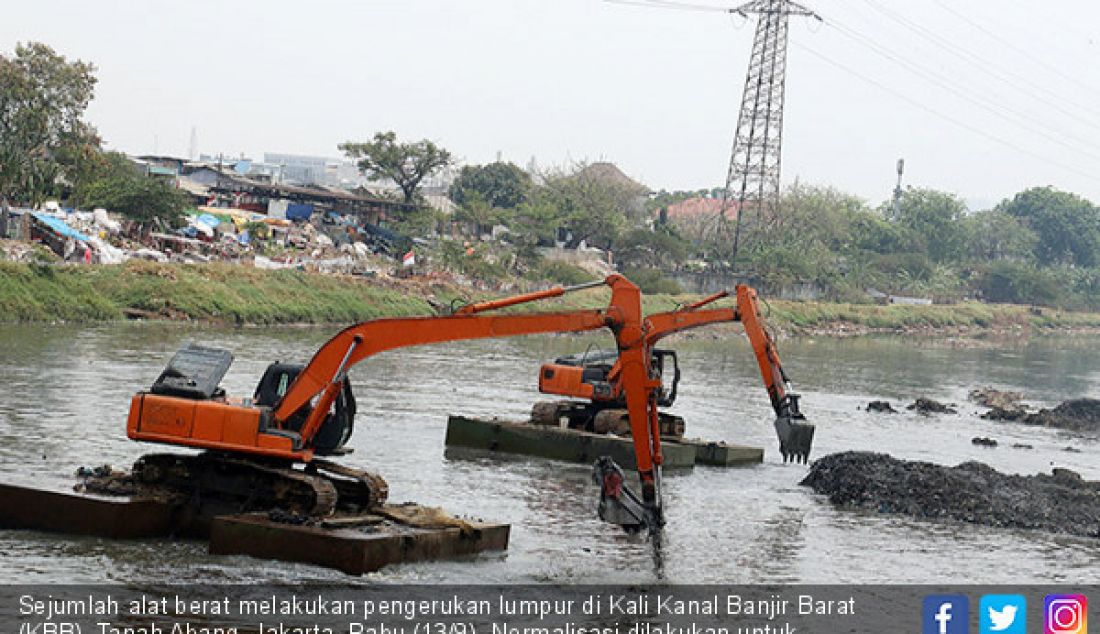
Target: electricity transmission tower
(753,178)
(752,182)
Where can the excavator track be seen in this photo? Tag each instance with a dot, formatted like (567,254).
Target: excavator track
(244,484)
(356,489)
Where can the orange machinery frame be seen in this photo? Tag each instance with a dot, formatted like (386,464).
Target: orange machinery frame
(263,432)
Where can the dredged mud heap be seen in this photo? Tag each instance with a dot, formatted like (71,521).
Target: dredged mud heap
(971,492)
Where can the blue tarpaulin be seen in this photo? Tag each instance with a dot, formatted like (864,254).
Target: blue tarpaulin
(298,211)
(208,220)
(59,227)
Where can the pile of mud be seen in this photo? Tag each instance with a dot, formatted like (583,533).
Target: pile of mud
(1077,415)
(996,399)
(971,492)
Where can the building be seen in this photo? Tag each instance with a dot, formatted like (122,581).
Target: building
(697,218)
(300,169)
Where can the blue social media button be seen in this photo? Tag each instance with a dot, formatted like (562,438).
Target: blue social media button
(1003,614)
(946,614)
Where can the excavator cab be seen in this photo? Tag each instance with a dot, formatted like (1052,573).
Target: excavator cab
(664,363)
(593,375)
(338,425)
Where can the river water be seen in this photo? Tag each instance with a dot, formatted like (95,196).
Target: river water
(66,391)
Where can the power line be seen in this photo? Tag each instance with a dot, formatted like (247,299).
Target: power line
(1009,43)
(1000,110)
(962,124)
(1008,77)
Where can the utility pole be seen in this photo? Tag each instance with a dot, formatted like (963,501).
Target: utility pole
(896,209)
(753,178)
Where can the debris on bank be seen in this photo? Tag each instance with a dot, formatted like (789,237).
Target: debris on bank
(927,407)
(973,492)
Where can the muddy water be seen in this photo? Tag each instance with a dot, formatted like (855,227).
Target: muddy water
(66,391)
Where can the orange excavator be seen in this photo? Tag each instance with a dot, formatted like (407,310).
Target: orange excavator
(269,451)
(595,381)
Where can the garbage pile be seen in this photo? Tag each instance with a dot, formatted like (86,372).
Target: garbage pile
(973,492)
(329,242)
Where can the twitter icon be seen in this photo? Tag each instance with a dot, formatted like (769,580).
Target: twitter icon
(1003,614)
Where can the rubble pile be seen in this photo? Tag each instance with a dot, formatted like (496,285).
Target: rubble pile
(973,492)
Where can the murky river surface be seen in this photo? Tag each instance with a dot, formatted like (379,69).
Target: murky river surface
(66,391)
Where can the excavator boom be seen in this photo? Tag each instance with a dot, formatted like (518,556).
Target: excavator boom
(287,429)
(795,435)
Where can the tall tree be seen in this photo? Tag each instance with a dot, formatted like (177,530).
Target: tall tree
(593,209)
(1068,226)
(936,217)
(501,185)
(406,164)
(43,97)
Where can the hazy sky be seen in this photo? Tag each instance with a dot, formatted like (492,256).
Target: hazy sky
(983,98)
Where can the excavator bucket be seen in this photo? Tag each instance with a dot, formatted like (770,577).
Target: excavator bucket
(796,437)
(618,504)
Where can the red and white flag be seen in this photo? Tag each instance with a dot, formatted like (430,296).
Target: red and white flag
(409,259)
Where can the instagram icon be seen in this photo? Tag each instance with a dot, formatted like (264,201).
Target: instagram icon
(1066,614)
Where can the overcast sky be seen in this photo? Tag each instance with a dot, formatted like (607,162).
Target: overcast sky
(982,98)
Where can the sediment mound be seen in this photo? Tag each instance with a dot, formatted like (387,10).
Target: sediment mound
(881,407)
(996,399)
(1082,414)
(971,492)
(927,407)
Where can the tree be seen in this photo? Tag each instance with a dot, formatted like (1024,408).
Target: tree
(995,235)
(936,217)
(652,249)
(42,101)
(1067,225)
(119,186)
(406,164)
(534,223)
(478,213)
(592,209)
(500,185)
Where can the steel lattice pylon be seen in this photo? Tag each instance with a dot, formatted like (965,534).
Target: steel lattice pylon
(753,178)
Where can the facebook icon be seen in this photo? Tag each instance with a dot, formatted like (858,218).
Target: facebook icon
(946,614)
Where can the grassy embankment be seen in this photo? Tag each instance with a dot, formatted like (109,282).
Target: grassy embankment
(243,295)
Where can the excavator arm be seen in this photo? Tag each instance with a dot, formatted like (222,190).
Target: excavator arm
(323,377)
(278,432)
(795,435)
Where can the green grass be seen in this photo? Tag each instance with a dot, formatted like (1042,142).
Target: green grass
(242,295)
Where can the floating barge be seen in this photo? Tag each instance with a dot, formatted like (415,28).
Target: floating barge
(571,445)
(355,544)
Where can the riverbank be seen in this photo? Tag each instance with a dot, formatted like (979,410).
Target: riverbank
(234,294)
